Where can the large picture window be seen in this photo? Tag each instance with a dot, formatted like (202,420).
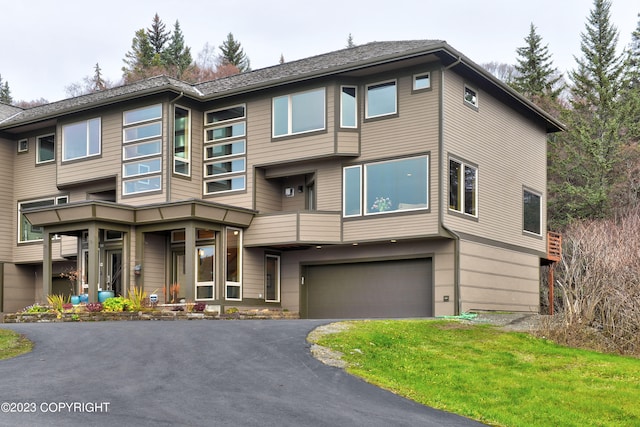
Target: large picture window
(463,188)
(299,112)
(80,140)
(532,214)
(387,186)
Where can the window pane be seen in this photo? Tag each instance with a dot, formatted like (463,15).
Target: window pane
(307,111)
(142,185)
(470,96)
(396,185)
(46,148)
(352,194)
(140,150)
(225,185)
(225,150)
(348,107)
(94,136)
(181,133)
(181,167)
(224,115)
(531,207)
(142,114)
(469,190)
(233,255)
(74,139)
(139,168)
(236,165)
(226,132)
(204,292)
(205,263)
(381,99)
(422,81)
(454,186)
(141,132)
(281,116)
(29,232)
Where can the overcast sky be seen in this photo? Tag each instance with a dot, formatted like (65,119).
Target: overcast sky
(47,45)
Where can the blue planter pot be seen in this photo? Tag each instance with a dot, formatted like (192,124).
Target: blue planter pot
(75,299)
(104,295)
(84,298)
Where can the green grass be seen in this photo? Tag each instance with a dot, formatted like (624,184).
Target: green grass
(498,378)
(12,344)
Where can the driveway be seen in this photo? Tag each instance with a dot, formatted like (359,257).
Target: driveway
(191,373)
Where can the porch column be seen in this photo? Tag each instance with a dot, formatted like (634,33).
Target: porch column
(190,262)
(46,266)
(93,269)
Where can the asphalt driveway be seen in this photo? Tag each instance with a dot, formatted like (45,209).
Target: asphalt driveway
(191,373)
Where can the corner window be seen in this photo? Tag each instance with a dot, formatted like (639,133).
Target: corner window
(531,212)
(422,81)
(28,232)
(348,107)
(463,188)
(298,113)
(382,99)
(45,148)
(81,140)
(386,187)
(470,97)
(182,141)
(233,283)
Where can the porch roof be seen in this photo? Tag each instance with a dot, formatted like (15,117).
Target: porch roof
(118,213)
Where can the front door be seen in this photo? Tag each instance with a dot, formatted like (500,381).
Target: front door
(114,271)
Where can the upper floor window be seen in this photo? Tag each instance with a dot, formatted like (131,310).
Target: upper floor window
(463,188)
(45,148)
(144,114)
(348,107)
(470,96)
(382,99)
(422,81)
(531,212)
(28,232)
(23,145)
(387,186)
(299,112)
(182,142)
(81,139)
(232,131)
(142,150)
(225,114)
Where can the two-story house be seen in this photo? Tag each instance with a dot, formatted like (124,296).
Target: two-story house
(384,180)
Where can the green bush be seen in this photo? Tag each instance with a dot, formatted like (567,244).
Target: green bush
(117,304)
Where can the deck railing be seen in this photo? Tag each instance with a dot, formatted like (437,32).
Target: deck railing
(554,246)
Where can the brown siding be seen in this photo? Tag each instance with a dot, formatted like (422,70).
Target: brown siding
(154,263)
(509,151)
(253,273)
(7,203)
(384,227)
(19,287)
(186,188)
(498,279)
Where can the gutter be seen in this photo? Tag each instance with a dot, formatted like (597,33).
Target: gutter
(170,142)
(442,192)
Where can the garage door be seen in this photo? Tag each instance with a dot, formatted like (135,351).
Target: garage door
(399,288)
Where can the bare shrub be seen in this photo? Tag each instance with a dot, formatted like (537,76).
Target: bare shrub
(598,279)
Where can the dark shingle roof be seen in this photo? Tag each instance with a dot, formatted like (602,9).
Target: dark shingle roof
(7,111)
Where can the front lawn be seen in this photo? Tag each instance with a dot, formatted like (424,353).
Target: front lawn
(13,344)
(498,378)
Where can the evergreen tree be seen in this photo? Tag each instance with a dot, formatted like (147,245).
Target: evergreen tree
(157,34)
(98,82)
(535,75)
(140,58)
(583,171)
(630,95)
(350,42)
(177,56)
(233,54)
(5,92)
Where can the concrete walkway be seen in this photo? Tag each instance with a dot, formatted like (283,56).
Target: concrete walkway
(191,373)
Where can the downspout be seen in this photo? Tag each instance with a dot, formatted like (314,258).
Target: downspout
(170,142)
(441,199)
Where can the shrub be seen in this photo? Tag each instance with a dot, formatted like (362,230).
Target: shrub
(598,281)
(199,307)
(57,301)
(137,299)
(116,304)
(93,307)
(36,308)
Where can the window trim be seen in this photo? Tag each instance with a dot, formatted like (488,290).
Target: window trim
(237,283)
(142,179)
(344,191)
(206,174)
(38,138)
(539,195)
(226,178)
(226,156)
(23,148)
(226,138)
(143,156)
(145,124)
(243,117)
(462,211)
(88,141)
(289,97)
(124,115)
(366,100)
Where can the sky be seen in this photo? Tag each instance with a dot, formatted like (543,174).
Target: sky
(45,45)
